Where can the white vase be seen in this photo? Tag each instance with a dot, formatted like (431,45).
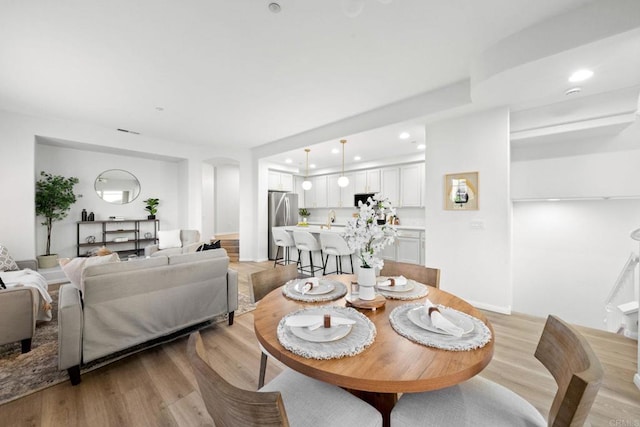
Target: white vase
(367,282)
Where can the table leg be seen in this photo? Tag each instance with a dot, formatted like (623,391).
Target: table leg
(383,402)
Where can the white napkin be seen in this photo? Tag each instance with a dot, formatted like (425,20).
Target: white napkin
(441,322)
(305,285)
(399,281)
(318,319)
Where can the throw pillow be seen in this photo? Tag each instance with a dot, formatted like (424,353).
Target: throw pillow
(207,246)
(169,239)
(73,267)
(7,263)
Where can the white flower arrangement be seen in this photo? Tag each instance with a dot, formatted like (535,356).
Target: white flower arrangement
(365,236)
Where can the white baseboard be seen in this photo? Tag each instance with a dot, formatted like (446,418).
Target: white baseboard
(494,308)
(636,380)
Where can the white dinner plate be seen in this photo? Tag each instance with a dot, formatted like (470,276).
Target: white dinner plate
(397,288)
(420,318)
(323,287)
(322,334)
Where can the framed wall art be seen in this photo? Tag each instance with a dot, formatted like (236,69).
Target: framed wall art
(461,191)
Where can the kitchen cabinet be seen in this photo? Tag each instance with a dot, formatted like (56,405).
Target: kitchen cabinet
(319,192)
(408,249)
(390,185)
(339,197)
(297,188)
(411,185)
(280,181)
(367,181)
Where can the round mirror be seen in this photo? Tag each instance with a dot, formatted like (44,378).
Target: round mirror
(117,186)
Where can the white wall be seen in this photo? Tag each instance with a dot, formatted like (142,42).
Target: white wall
(568,254)
(475,263)
(227,199)
(157,179)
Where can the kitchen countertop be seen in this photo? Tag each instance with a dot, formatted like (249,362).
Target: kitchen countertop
(315,227)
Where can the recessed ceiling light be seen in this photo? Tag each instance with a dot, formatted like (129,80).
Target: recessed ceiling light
(334,151)
(572,91)
(421,146)
(312,165)
(288,160)
(404,135)
(580,75)
(274,7)
(357,158)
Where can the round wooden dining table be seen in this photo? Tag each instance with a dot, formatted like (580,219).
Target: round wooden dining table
(392,364)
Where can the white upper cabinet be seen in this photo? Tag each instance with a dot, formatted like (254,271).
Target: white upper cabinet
(411,185)
(320,190)
(334,192)
(390,185)
(280,181)
(367,181)
(297,188)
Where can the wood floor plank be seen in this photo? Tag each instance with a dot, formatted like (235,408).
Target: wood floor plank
(156,387)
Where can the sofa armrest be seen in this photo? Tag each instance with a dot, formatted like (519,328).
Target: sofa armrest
(28,263)
(70,325)
(150,250)
(232,290)
(18,312)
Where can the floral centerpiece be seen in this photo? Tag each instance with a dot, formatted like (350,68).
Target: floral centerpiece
(367,234)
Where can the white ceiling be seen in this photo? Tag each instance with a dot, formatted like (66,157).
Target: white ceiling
(232,73)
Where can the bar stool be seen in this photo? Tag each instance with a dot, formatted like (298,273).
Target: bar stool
(334,244)
(282,239)
(306,242)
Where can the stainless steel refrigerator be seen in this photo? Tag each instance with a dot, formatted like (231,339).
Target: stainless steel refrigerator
(283,210)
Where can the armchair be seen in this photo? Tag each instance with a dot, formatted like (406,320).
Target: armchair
(18,312)
(189,242)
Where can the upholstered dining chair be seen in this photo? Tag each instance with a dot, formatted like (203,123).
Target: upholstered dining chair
(289,399)
(333,244)
(562,350)
(260,284)
(426,275)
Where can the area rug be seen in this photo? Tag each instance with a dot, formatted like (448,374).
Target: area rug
(23,374)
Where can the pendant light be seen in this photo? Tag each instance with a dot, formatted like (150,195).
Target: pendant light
(306,184)
(343,181)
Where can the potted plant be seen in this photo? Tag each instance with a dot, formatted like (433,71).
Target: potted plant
(54,197)
(152,207)
(304,213)
(367,237)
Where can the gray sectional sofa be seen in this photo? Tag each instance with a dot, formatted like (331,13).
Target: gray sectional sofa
(131,302)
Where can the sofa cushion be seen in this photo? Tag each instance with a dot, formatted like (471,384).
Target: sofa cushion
(73,268)
(169,239)
(138,264)
(197,256)
(7,263)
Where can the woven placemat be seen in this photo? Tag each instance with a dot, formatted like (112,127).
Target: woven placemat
(362,334)
(419,291)
(401,323)
(289,291)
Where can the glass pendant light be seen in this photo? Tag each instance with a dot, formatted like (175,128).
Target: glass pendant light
(306,184)
(343,181)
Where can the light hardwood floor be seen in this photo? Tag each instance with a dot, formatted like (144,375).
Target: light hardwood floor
(157,388)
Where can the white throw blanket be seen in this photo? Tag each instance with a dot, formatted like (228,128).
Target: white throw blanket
(32,279)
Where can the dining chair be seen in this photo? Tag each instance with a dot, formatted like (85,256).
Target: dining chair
(305,241)
(283,239)
(289,399)
(260,284)
(425,275)
(562,350)
(333,244)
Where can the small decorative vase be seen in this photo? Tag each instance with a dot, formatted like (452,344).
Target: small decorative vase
(367,282)
(304,219)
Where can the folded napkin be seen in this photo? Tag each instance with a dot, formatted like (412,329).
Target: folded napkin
(308,284)
(310,320)
(439,321)
(394,281)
